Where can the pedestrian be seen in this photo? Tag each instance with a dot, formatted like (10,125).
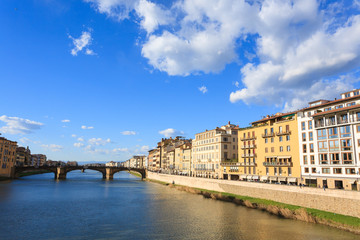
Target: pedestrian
(324,186)
(300,185)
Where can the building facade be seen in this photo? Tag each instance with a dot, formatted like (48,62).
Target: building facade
(23,156)
(268,151)
(330,142)
(183,159)
(154,160)
(7,157)
(212,147)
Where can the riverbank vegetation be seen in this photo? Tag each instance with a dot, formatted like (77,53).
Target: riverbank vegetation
(283,210)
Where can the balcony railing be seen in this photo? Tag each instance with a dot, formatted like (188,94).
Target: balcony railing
(266,135)
(248,155)
(238,164)
(287,132)
(248,146)
(278,164)
(248,138)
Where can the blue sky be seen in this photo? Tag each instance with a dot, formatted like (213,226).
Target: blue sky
(101,80)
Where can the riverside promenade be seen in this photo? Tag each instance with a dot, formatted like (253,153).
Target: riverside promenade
(331,200)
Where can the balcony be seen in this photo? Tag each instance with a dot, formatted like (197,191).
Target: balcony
(248,138)
(248,155)
(238,164)
(248,146)
(267,135)
(278,164)
(342,120)
(287,132)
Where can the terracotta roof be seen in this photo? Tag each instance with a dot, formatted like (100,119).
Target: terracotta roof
(337,110)
(332,102)
(275,116)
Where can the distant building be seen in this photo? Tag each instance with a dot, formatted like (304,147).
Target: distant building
(38,159)
(7,156)
(113,164)
(154,160)
(183,159)
(23,156)
(211,147)
(72,163)
(51,163)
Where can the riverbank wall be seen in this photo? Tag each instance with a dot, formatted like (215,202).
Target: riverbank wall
(331,200)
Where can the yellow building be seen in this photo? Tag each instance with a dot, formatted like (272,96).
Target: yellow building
(183,159)
(268,151)
(7,157)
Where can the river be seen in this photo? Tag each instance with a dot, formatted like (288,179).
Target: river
(86,207)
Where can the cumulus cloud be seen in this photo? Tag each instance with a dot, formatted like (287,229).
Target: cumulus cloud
(65,121)
(98,141)
(170,132)
(26,140)
(86,127)
(295,45)
(78,144)
(120,150)
(128,133)
(16,125)
(73,135)
(80,139)
(82,43)
(52,147)
(203,89)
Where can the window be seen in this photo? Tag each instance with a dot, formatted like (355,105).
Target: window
(335,158)
(323,157)
(325,170)
(338,106)
(322,146)
(310,124)
(306,170)
(225,139)
(311,145)
(272,139)
(312,159)
(281,149)
(350,170)
(311,136)
(280,129)
(357,128)
(289,171)
(266,140)
(267,171)
(287,137)
(345,131)
(350,104)
(313,170)
(346,144)
(347,158)
(356,93)
(225,146)
(337,170)
(302,125)
(266,150)
(334,145)
(327,109)
(275,171)
(333,133)
(280,139)
(305,160)
(272,149)
(288,148)
(321,134)
(304,137)
(304,148)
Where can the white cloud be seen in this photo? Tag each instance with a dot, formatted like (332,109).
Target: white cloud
(73,135)
(203,89)
(128,133)
(65,121)
(120,150)
(86,127)
(117,9)
(26,140)
(52,147)
(170,132)
(80,139)
(152,15)
(98,141)
(83,42)
(78,144)
(16,125)
(237,84)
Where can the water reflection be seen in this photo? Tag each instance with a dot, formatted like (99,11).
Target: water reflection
(87,207)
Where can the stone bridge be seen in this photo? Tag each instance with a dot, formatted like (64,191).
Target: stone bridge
(60,172)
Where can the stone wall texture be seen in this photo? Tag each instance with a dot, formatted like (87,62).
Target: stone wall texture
(332,200)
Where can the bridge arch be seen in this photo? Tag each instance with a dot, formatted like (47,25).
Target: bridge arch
(34,170)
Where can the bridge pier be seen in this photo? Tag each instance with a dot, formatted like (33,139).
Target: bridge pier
(60,173)
(109,174)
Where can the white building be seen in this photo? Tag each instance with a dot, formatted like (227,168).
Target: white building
(329,142)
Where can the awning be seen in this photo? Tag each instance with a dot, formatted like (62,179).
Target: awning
(264,178)
(242,176)
(292,179)
(283,179)
(283,157)
(273,178)
(255,177)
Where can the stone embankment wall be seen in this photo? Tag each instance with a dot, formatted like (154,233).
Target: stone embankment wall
(336,201)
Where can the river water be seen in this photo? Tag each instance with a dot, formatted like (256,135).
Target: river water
(86,207)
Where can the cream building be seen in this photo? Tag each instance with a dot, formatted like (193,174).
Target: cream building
(212,147)
(330,142)
(183,159)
